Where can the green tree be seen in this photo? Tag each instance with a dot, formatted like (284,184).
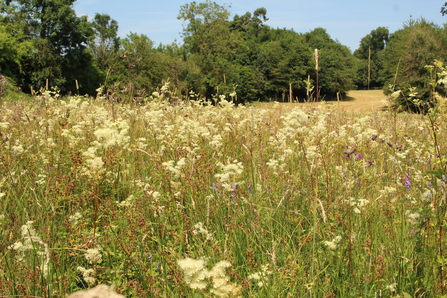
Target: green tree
(211,44)
(12,52)
(408,51)
(105,43)
(369,54)
(336,64)
(141,68)
(59,38)
(444,9)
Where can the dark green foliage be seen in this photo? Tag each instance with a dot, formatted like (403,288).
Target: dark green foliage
(59,40)
(370,61)
(45,40)
(407,54)
(336,63)
(105,44)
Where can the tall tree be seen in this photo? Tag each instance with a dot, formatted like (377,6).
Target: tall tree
(408,51)
(59,39)
(105,42)
(369,53)
(444,9)
(12,51)
(209,37)
(336,63)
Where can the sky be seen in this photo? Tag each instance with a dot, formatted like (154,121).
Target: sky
(346,21)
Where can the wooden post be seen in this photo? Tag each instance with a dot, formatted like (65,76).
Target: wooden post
(77,86)
(290,93)
(317,92)
(46,85)
(369,66)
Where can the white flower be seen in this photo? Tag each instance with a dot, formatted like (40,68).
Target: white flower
(74,219)
(127,202)
(412,218)
(392,287)
(332,245)
(199,229)
(93,255)
(89,275)
(195,272)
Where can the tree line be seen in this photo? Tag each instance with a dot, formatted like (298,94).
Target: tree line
(44,42)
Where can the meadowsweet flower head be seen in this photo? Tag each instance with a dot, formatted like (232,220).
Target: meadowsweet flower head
(74,219)
(332,245)
(89,275)
(230,174)
(127,202)
(93,255)
(412,217)
(195,272)
(199,229)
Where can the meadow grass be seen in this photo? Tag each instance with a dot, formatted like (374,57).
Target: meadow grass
(197,200)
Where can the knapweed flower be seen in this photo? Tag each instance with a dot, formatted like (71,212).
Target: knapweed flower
(407,181)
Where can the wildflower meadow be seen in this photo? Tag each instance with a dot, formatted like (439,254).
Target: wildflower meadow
(203,199)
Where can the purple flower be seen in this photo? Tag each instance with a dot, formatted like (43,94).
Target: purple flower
(358,156)
(407,181)
(149,257)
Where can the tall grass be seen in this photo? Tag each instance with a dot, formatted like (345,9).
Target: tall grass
(154,198)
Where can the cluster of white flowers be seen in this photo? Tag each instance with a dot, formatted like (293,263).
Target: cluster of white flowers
(113,133)
(198,277)
(29,236)
(198,229)
(89,275)
(357,204)
(94,165)
(93,255)
(261,277)
(175,167)
(230,174)
(413,217)
(74,219)
(332,245)
(128,202)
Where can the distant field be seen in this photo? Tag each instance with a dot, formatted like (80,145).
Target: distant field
(356,101)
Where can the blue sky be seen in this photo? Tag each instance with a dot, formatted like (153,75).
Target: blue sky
(347,21)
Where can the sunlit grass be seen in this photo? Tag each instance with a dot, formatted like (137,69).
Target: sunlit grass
(196,200)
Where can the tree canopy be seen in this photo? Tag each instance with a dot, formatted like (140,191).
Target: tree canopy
(221,54)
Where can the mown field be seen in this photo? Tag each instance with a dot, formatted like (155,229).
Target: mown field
(358,101)
(197,200)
